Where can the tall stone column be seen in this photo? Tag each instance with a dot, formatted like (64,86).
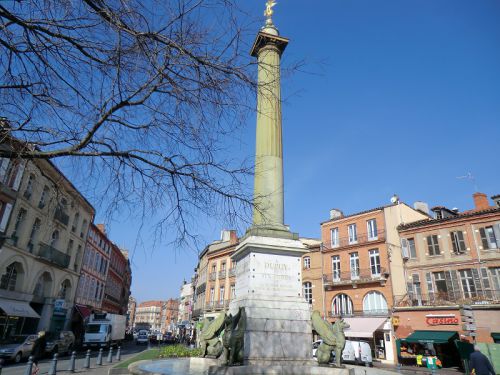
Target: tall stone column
(268,214)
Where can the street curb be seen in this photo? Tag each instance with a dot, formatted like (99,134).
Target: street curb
(118,371)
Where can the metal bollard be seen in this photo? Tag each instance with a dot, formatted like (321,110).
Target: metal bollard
(110,355)
(53,366)
(118,354)
(29,366)
(86,364)
(99,358)
(72,360)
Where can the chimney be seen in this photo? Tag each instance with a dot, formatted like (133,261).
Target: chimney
(496,199)
(229,235)
(102,228)
(336,214)
(421,206)
(480,201)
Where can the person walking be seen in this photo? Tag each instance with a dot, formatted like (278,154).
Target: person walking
(480,364)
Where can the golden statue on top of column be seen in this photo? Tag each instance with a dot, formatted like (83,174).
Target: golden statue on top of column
(269,10)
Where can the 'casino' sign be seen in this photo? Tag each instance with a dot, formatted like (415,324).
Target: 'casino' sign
(439,320)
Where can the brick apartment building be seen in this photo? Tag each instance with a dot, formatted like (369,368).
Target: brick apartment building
(451,261)
(357,270)
(169,315)
(117,290)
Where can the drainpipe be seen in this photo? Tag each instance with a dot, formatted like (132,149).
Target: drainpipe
(323,280)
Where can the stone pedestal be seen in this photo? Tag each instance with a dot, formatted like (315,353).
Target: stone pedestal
(269,287)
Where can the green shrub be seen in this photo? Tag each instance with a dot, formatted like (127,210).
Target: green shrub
(179,350)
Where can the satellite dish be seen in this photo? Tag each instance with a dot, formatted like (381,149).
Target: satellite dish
(394,199)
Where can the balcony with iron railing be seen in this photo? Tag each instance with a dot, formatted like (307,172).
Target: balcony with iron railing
(221,305)
(61,216)
(483,297)
(360,313)
(360,276)
(222,274)
(53,255)
(212,276)
(361,239)
(232,272)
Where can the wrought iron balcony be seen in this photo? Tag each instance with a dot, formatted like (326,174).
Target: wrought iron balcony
(222,274)
(61,216)
(53,255)
(220,305)
(232,272)
(356,313)
(212,276)
(483,297)
(362,276)
(361,239)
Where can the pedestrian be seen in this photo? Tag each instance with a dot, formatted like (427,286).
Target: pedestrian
(480,364)
(35,370)
(38,350)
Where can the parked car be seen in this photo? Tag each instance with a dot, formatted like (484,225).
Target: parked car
(142,337)
(357,352)
(16,348)
(60,342)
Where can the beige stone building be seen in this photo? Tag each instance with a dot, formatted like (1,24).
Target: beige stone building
(149,314)
(44,227)
(357,270)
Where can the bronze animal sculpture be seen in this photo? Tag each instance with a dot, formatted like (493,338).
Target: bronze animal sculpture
(210,341)
(333,338)
(233,337)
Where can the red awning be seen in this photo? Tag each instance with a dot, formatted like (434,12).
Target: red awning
(84,311)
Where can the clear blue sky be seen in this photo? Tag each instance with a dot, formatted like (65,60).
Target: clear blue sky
(395,97)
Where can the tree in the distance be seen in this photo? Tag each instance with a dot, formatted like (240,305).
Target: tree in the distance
(141,96)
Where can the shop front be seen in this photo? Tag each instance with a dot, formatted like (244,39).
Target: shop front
(16,317)
(376,331)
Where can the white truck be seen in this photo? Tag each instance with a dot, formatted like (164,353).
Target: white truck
(104,329)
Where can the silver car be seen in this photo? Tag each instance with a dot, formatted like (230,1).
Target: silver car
(18,347)
(60,342)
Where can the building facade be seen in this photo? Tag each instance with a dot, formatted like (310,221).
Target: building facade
(452,261)
(132,306)
(357,270)
(215,279)
(117,289)
(169,315)
(44,222)
(148,314)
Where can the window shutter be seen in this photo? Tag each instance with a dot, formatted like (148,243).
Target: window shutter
(461,241)
(5,217)
(486,282)
(430,285)
(429,245)
(484,240)
(477,281)
(409,287)
(404,248)
(452,285)
(454,242)
(496,230)
(19,176)
(4,164)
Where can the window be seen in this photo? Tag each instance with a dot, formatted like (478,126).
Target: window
(375,262)
(214,267)
(212,295)
(34,233)
(495,278)
(221,294)
(84,228)
(441,287)
(21,215)
(70,247)
(415,290)
(14,174)
(29,187)
(433,245)
(371,226)
(5,210)
(341,305)
(458,242)
(233,291)
(354,264)
(467,283)
(75,222)
(54,238)
(488,237)
(9,278)
(307,262)
(412,251)
(308,295)
(336,268)
(223,266)
(334,235)
(353,233)
(43,197)
(375,303)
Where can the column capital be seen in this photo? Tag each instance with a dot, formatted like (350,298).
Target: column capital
(264,39)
